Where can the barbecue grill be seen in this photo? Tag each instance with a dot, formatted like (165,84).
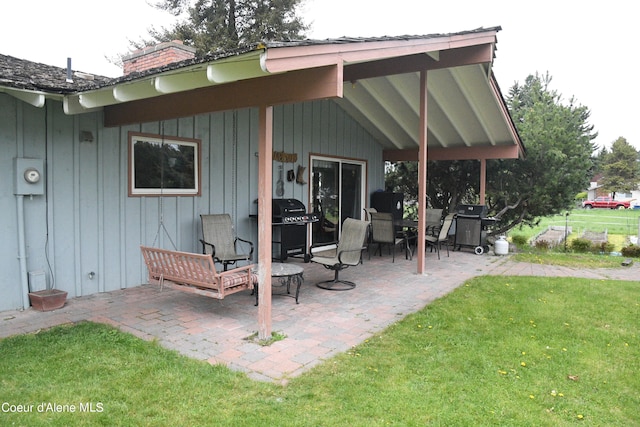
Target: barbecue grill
(471,227)
(290,220)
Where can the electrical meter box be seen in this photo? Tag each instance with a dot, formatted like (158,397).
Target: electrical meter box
(28,176)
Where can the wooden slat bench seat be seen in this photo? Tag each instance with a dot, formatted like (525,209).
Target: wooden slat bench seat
(196,273)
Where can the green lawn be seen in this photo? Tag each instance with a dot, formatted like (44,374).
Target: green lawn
(517,351)
(619,224)
(576,260)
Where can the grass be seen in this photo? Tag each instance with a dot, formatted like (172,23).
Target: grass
(275,337)
(620,224)
(516,351)
(576,260)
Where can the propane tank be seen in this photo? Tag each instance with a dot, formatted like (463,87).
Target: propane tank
(501,247)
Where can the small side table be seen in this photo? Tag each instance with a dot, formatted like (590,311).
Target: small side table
(288,274)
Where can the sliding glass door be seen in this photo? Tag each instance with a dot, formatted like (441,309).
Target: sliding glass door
(338,188)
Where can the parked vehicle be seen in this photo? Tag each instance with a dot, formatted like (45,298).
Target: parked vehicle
(606,202)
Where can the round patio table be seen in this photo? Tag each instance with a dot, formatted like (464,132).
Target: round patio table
(287,274)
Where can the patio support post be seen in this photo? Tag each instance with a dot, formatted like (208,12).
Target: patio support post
(422,175)
(483,179)
(265,179)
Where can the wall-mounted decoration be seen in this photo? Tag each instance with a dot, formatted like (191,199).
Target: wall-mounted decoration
(280,183)
(161,165)
(300,175)
(281,156)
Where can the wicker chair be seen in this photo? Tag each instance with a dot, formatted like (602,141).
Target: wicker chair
(383,232)
(220,242)
(347,253)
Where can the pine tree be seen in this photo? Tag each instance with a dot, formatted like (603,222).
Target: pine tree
(620,169)
(213,25)
(558,163)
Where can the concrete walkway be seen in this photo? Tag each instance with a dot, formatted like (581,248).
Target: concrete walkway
(324,324)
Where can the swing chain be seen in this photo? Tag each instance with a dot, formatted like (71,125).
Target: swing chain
(161,203)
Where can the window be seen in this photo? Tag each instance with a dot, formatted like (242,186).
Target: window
(160,165)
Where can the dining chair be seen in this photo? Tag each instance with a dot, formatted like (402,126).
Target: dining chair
(383,233)
(443,235)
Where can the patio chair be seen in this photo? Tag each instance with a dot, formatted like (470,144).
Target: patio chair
(368,212)
(220,242)
(383,232)
(433,221)
(347,253)
(367,217)
(443,235)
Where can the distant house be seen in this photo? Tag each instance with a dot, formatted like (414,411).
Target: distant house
(78,203)
(595,190)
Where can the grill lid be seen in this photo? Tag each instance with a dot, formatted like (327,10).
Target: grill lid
(471,211)
(284,207)
(291,211)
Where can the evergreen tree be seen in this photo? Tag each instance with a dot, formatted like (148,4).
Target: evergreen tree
(558,163)
(213,25)
(620,168)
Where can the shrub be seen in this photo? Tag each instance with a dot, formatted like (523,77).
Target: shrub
(519,240)
(604,248)
(581,245)
(543,245)
(632,251)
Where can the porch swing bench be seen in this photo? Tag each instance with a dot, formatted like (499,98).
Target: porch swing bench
(196,273)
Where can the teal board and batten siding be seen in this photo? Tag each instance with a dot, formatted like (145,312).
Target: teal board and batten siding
(87,223)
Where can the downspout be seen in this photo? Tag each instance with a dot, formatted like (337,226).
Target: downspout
(22,251)
(22,245)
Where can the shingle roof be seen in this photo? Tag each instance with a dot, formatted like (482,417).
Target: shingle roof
(22,74)
(214,56)
(381,90)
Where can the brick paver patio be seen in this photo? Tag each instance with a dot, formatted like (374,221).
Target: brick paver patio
(322,325)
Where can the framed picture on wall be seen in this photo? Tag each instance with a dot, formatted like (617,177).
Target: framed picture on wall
(163,165)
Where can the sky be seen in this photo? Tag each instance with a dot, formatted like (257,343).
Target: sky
(586,47)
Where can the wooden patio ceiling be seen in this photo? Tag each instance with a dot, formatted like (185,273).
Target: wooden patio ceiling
(375,80)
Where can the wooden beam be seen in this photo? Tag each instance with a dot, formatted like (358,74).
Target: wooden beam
(483,180)
(457,153)
(422,176)
(265,178)
(295,86)
(415,63)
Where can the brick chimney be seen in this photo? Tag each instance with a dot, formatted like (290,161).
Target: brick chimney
(157,56)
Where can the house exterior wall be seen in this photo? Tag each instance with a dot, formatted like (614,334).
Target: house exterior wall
(87,223)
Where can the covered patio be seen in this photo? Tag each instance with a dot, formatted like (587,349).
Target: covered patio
(430,97)
(322,325)
(421,97)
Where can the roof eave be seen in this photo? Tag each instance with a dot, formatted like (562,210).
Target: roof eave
(36,98)
(200,75)
(287,58)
